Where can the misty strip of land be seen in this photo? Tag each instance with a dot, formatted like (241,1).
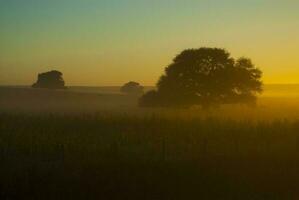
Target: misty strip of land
(277,102)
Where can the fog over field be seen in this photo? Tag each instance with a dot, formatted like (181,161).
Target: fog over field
(91,142)
(269,90)
(276,102)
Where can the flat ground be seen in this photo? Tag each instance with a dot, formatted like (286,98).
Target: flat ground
(98,144)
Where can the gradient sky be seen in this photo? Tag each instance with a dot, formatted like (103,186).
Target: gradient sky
(109,42)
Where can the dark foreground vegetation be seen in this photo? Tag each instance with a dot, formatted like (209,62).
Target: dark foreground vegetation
(94,156)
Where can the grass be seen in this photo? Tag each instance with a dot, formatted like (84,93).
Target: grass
(102,156)
(74,145)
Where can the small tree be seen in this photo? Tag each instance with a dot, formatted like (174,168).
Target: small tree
(206,76)
(132,88)
(51,80)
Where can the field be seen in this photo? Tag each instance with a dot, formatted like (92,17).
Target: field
(92,145)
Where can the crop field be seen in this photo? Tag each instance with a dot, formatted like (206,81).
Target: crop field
(68,145)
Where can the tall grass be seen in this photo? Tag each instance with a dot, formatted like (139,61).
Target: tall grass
(96,156)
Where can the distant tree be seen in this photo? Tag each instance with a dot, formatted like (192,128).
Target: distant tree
(51,80)
(132,88)
(206,77)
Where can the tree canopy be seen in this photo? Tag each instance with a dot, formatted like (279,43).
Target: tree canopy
(206,76)
(132,88)
(51,80)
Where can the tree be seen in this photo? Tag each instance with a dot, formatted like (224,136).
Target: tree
(132,88)
(51,80)
(206,77)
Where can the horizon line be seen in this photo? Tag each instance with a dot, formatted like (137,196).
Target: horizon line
(9,85)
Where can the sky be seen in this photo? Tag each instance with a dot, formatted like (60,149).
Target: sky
(110,42)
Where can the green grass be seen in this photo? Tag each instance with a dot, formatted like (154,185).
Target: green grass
(119,156)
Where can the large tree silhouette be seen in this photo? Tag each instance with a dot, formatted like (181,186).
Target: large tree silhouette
(51,80)
(206,76)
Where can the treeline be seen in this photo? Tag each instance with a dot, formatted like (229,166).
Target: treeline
(204,76)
